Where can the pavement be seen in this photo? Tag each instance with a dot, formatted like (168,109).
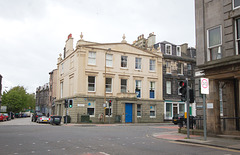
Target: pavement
(223,141)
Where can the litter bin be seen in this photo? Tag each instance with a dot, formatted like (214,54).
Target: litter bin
(68,119)
(85,118)
(55,120)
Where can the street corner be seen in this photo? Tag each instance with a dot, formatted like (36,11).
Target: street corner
(171,136)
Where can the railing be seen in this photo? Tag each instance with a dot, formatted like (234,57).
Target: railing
(227,118)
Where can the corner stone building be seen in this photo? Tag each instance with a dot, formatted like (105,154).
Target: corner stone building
(133,82)
(218,57)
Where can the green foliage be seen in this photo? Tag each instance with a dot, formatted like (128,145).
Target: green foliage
(17,99)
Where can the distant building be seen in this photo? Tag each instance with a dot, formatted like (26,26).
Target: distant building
(42,99)
(129,77)
(0,90)
(179,63)
(52,90)
(218,58)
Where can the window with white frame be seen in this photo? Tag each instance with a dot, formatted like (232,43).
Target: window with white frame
(108,85)
(109,60)
(138,88)
(168,67)
(178,50)
(152,64)
(236,4)
(124,61)
(91,83)
(91,58)
(139,110)
(181,108)
(180,69)
(61,89)
(91,108)
(214,43)
(152,89)
(168,110)
(168,87)
(237,29)
(152,111)
(138,62)
(123,85)
(168,49)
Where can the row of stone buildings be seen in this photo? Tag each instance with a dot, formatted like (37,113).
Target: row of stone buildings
(142,80)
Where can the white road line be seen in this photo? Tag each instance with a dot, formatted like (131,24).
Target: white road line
(63,149)
(104,153)
(46,142)
(33,151)
(20,144)
(34,143)
(48,150)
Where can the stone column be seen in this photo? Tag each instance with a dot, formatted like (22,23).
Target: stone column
(213,114)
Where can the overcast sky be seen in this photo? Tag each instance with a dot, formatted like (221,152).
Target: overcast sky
(33,32)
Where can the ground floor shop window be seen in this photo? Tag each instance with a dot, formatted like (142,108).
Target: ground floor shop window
(139,114)
(152,111)
(91,108)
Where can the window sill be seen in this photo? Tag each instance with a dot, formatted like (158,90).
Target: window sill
(152,71)
(152,116)
(92,65)
(139,116)
(139,70)
(124,68)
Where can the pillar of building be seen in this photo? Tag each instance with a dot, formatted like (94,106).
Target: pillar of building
(81,88)
(213,113)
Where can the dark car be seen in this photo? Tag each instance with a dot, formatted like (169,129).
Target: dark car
(178,118)
(36,115)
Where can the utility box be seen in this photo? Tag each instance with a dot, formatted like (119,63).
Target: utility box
(85,118)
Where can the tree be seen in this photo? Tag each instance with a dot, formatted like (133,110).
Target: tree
(17,99)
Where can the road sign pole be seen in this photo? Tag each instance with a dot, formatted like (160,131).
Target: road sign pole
(187,110)
(204,117)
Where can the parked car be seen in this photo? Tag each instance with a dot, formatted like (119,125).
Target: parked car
(43,119)
(35,116)
(7,116)
(178,118)
(2,117)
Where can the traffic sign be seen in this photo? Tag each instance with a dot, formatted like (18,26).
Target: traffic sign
(204,86)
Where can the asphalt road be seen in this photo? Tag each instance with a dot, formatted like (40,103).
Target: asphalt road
(21,136)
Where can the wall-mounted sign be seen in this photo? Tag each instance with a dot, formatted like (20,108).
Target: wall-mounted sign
(209,105)
(80,105)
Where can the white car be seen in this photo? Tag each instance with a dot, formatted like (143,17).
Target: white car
(43,119)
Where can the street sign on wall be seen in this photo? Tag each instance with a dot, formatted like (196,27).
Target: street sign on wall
(204,86)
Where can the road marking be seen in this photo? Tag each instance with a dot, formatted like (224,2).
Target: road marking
(33,151)
(48,150)
(133,143)
(34,143)
(77,147)
(213,147)
(20,144)
(6,145)
(15,153)
(46,142)
(123,144)
(63,149)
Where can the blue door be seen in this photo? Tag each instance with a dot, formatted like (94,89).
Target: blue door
(128,113)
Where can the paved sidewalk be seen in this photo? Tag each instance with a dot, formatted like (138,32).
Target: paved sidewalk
(225,141)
